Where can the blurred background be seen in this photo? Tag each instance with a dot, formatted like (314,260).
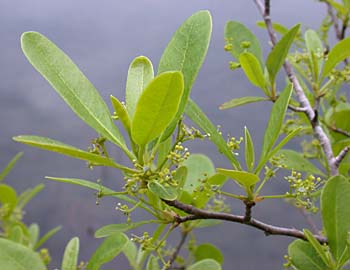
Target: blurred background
(102,38)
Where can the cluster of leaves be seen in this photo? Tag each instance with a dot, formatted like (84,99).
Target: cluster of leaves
(161,168)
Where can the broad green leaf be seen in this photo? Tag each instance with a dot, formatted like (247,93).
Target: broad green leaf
(198,117)
(107,251)
(152,263)
(279,28)
(304,256)
(91,185)
(65,149)
(123,227)
(317,246)
(130,252)
(46,237)
(237,36)
(71,84)
(296,161)
(9,166)
(15,256)
(122,114)
(279,53)
(279,146)
(8,197)
(70,256)
(198,167)
(207,264)
(241,101)
(337,54)
(34,232)
(252,69)
(186,52)
(157,107)
(139,75)
(28,194)
(335,201)
(315,48)
(208,251)
(276,120)
(163,191)
(180,177)
(244,179)
(248,150)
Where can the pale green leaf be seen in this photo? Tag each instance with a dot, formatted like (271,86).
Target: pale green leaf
(208,251)
(107,251)
(198,117)
(46,237)
(70,256)
(139,75)
(236,34)
(16,234)
(28,194)
(122,114)
(165,191)
(186,52)
(8,197)
(304,256)
(34,232)
(130,252)
(277,56)
(71,84)
(152,263)
(15,256)
(249,153)
(157,107)
(317,246)
(241,101)
(335,201)
(244,179)
(252,69)
(207,264)
(337,54)
(279,28)
(9,166)
(315,49)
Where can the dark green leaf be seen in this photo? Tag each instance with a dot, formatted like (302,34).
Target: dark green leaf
(241,101)
(9,166)
(279,53)
(248,150)
(165,191)
(76,90)
(208,251)
(157,107)
(186,52)
(335,201)
(338,53)
(70,256)
(139,75)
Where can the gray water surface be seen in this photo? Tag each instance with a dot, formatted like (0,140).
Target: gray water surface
(103,37)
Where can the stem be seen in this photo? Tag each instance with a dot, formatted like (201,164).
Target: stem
(173,257)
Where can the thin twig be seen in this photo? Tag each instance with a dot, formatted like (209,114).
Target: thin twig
(341,155)
(173,257)
(303,100)
(196,214)
(339,130)
(334,19)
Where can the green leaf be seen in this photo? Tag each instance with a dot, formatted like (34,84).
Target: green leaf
(186,52)
(157,107)
(46,237)
(241,101)
(123,227)
(198,167)
(252,69)
(180,177)
(71,84)
(15,256)
(91,185)
(315,48)
(337,54)
(296,161)
(279,28)
(34,232)
(236,34)
(276,120)
(70,256)
(317,246)
(335,201)
(208,251)
(122,114)
(168,193)
(338,116)
(248,150)
(8,197)
(244,179)
(28,194)
(152,263)
(16,234)
(279,53)
(207,264)
(107,251)
(139,75)
(198,117)
(9,166)
(65,149)
(304,256)
(163,150)
(130,252)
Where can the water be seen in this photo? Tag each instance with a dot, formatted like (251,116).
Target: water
(103,37)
